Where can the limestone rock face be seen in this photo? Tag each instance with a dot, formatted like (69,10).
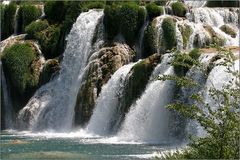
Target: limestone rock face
(102,65)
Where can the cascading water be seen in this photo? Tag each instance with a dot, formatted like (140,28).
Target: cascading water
(196,3)
(148,119)
(16,22)
(7,102)
(106,110)
(52,106)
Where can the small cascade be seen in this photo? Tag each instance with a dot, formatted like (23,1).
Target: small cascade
(7,102)
(195,3)
(148,119)
(139,45)
(43,13)
(52,106)
(106,110)
(179,37)
(16,22)
(159,31)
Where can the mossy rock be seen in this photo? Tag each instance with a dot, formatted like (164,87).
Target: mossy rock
(169,33)
(228,30)
(26,15)
(33,28)
(21,64)
(179,9)
(48,40)
(186,32)
(153,10)
(50,68)
(7,19)
(99,71)
(149,41)
(215,37)
(198,43)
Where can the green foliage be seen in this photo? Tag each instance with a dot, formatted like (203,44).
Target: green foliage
(232,3)
(26,15)
(149,41)
(153,10)
(7,20)
(179,9)
(221,123)
(169,33)
(111,21)
(55,11)
(228,30)
(17,61)
(48,40)
(161,2)
(94,4)
(33,28)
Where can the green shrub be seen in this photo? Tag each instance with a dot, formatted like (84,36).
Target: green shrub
(161,2)
(55,11)
(33,28)
(129,25)
(169,33)
(149,41)
(111,21)
(195,53)
(7,20)
(153,10)
(48,40)
(232,3)
(17,61)
(27,14)
(95,4)
(179,9)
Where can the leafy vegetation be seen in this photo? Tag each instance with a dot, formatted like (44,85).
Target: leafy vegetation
(33,28)
(149,41)
(153,10)
(221,124)
(169,33)
(26,15)
(17,61)
(179,9)
(7,20)
(55,11)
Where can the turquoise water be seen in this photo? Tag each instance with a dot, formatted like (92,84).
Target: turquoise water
(23,145)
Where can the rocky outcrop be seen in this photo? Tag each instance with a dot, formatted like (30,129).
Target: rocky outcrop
(229,30)
(102,65)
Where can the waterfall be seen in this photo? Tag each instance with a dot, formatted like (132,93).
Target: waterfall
(195,3)
(52,106)
(16,21)
(106,110)
(179,37)
(7,102)
(148,119)
(139,45)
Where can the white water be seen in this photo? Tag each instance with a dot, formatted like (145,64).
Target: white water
(106,109)
(195,3)
(148,119)
(52,106)
(7,102)
(16,21)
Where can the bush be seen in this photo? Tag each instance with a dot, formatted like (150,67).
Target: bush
(195,54)
(149,42)
(55,11)
(7,20)
(153,10)
(26,15)
(179,9)
(17,61)
(48,40)
(94,4)
(111,21)
(33,28)
(161,2)
(169,33)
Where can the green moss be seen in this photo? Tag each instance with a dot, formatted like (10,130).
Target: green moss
(149,41)
(186,32)
(228,30)
(55,11)
(48,40)
(232,3)
(17,61)
(26,15)
(7,20)
(153,10)
(195,53)
(33,28)
(215,37)
(169,33)
(179,9)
